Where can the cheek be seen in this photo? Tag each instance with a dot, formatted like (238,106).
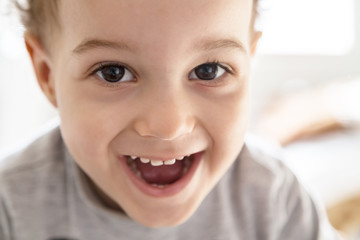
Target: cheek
(87,123)
(228,118)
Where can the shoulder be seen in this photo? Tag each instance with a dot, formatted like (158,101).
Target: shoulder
(33,186)
(34,164)
(42,150)
(261,165)
(265,176)
(273,195)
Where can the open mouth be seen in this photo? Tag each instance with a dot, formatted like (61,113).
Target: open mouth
(160,173)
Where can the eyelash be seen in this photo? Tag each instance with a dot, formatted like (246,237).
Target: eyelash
(216,81)
(102,66)
(226,67)
(219,80)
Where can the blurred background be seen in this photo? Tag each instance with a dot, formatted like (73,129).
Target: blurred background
(305,96)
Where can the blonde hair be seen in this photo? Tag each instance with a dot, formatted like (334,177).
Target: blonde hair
(40,17)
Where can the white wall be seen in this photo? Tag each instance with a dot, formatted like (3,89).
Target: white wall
(273,74)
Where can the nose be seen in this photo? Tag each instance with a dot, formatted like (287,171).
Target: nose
(166,114)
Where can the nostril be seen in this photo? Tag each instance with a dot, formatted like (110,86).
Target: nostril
(164,129)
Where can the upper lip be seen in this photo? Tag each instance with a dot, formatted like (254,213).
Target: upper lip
(130,144)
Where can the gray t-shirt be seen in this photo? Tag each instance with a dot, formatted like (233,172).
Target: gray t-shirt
(44,196)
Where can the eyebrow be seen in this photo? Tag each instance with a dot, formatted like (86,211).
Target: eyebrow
(205,45)
(89,44)
(210,44)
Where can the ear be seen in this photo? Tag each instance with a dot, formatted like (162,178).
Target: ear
(41,62)
(254,42)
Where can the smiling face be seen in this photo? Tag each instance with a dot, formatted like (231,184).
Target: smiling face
(138,81)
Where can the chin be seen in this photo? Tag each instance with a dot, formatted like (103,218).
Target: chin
(161,217)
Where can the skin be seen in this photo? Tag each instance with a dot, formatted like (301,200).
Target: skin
(161,111)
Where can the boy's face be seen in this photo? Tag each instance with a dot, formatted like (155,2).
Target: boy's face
(154,79)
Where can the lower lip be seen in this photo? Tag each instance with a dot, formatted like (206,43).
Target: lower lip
(168,190)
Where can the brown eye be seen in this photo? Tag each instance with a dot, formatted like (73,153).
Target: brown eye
(207,71)
(115,73)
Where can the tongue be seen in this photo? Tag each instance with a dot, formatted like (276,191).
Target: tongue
(165,174)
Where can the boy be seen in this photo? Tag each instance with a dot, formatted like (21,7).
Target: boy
(153,101)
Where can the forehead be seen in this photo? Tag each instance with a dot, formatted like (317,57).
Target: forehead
(155,23)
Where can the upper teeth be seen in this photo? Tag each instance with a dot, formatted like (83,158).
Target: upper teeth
(170,162)
(157,162)
(143,160)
